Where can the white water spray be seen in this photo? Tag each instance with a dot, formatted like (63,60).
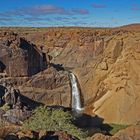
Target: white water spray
(76,99)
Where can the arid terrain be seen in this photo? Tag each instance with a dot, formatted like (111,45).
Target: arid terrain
(105,61)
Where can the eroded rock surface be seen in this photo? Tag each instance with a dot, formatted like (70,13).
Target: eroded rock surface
(49,87)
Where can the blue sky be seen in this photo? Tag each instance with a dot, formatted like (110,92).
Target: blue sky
(92,13)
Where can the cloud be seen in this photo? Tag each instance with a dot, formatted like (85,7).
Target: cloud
(81,11)
(64,18)
(135,7)
(34,19)
(5,19)
(44,10)
(41,15)
(98,6)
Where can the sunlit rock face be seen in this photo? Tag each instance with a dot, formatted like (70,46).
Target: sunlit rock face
(50,87)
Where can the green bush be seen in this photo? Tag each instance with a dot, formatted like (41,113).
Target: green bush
(3,123)
(5,107)
(53,120)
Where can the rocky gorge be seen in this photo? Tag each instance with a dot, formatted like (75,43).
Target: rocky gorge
(106,63)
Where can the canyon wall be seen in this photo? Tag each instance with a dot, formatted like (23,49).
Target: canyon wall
(106,63)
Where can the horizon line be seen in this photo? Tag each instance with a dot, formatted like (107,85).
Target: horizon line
(109,27)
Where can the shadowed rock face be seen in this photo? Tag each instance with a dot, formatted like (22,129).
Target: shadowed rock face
(2,67)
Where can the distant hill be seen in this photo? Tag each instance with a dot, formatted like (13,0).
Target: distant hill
(135,26)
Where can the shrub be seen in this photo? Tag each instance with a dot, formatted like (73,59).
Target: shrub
(5,107)
(53,120)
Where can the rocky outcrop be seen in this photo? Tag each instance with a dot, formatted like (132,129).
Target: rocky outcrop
(12,109)
(16,116)
(16,81)
(50,87)
(18,57)
(4,131)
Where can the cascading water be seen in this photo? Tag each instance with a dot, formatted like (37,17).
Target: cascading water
(76,99)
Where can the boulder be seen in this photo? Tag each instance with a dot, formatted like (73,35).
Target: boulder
(64,136)
(103,66)
(16,116)
(9,129)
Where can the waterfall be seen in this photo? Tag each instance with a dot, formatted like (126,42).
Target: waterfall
(76,99)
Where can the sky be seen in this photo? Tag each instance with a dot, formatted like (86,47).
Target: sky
(85,13)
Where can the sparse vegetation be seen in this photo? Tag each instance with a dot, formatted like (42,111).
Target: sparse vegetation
(53,120)
(3,123)
(5,107)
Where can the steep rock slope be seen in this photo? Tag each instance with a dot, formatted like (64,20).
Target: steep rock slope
(120,102)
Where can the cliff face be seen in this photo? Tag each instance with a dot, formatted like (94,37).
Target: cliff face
(107,66)
(109,80)
(24,65)
(18,57)
(106,63)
